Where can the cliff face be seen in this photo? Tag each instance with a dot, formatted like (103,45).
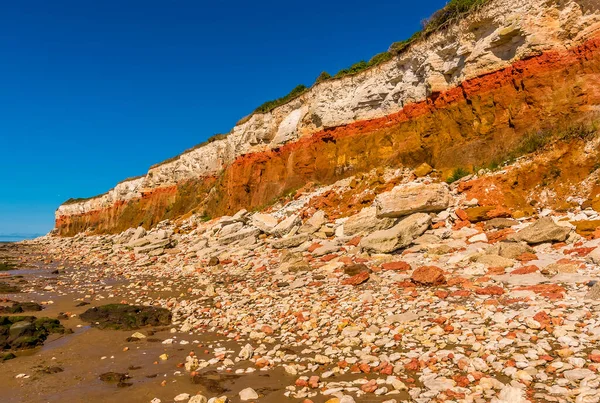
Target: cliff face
(464,96)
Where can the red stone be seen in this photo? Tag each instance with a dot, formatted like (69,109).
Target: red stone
(428,275)
(581,252)
(413,365)
(441,294)
(526,257)
(328,258)
(462,214)
(364,367)
(594,357)
(525,270)
(357,279)
(369,387)
(397,266)
(354,241)
(543,318)
(496,270)
(460,224)
(491,290)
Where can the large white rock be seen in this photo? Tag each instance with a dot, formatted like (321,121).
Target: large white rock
(238,236)
(399,236)
(413,198)
(366,221)
(285,226)
(314,223)
(139,233)
(264,222)
(543,230)
(290,242)
(248,394)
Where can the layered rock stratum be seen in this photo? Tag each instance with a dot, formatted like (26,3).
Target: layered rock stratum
(464,96)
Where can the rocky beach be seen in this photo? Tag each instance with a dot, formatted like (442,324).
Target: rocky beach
(421,227)
(421,296)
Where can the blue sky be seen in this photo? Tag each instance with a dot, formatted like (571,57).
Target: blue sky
(93,92)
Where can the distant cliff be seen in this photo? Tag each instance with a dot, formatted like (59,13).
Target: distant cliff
(462,96)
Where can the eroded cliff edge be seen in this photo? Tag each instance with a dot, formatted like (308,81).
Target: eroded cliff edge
(464,96)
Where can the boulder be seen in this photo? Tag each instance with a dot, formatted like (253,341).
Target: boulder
(479,213)
(412,198)
(326,248)
(314,223)
(354,269)
(264,222)
(423,170)
(510,250)
(399,236)
(232,228)
(150,247)
(238,236)
(126,317)
(543,230)
(136,243)
(357,279)
(285,226)
(22,332)
(248,394)
(594,256)
(428,275)
(290,242)
(140,232)
(499,223)
(586,228)
(366,222)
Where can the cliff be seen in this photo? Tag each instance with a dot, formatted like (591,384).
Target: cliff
(461,97)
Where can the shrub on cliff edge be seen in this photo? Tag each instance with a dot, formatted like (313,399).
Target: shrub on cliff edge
(270,105)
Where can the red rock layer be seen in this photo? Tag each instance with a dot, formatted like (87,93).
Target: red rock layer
(479,121)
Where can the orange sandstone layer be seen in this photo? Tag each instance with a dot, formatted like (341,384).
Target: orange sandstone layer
(473,124)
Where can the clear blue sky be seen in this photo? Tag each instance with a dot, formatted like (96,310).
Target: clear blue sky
(92,92)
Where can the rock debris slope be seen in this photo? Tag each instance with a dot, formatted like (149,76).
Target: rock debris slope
(421,307)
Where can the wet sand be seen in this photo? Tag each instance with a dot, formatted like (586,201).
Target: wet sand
(89,352)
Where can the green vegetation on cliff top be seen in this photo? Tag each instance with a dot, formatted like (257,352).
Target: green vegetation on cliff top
(452,12)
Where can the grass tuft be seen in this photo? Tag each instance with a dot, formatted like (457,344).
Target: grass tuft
(457,174)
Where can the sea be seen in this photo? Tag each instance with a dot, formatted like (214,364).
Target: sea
(16,238)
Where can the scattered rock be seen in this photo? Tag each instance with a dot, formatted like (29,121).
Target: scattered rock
(20,307)
(428,275)
(423,170)
(126,317)
(248,394)
(408,199)
(24,332)
(397,237)
(357,279)
(543,230)
(366,222)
